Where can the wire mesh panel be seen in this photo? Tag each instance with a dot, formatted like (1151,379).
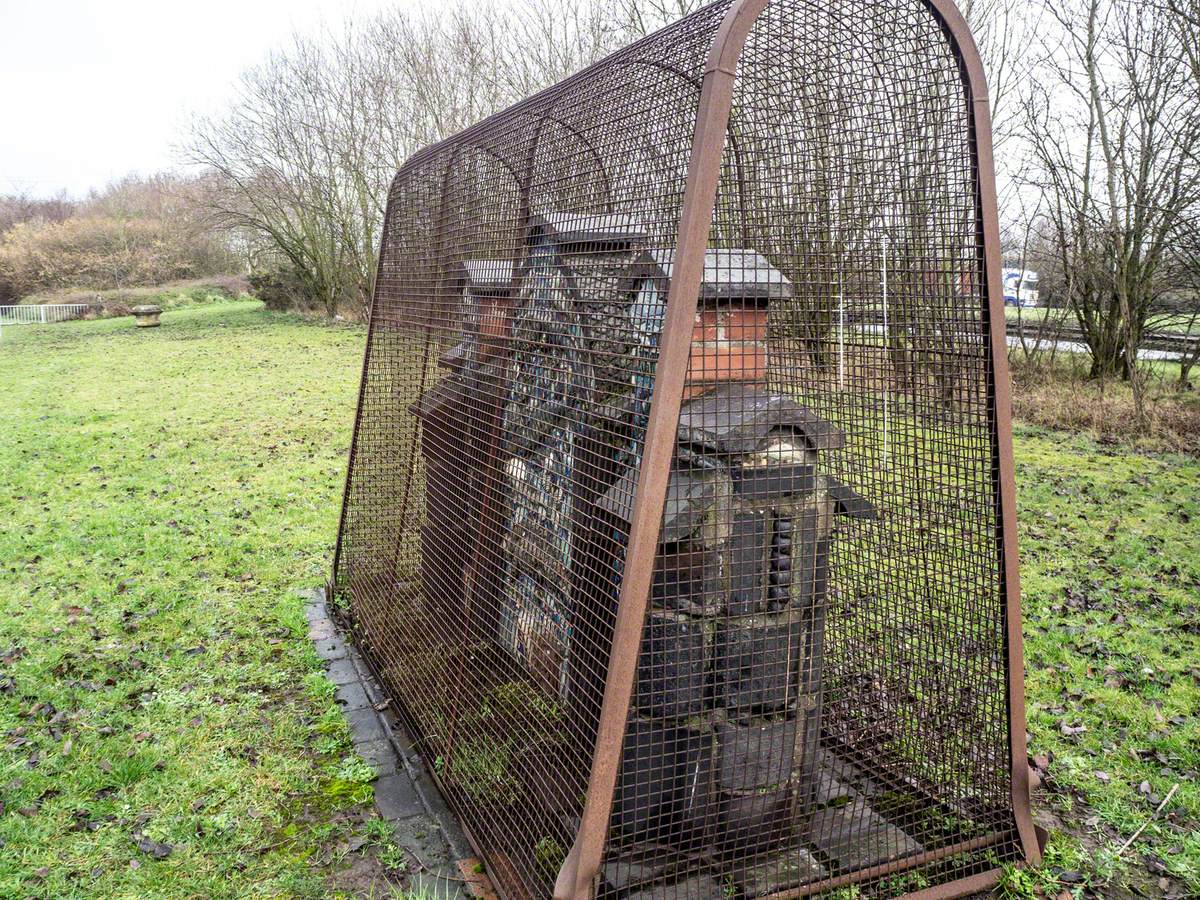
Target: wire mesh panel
(679,515)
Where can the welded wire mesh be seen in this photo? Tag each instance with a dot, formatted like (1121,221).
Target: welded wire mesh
(821,696)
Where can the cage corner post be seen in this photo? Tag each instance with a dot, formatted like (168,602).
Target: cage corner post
(577,877)
(975,87)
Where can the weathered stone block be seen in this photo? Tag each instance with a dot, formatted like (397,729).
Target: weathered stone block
(688,580)
(827,790)
(755,823)
(855,837)
(144,316)
(757,755)
(750,543)
(672,665)
(757,662)
(665,790)
(378,754)
(803,539)
(352,696)
(787,869)
(697,504)
(700,887)
(737,418)
(773,482)
(397,797)
(633,869)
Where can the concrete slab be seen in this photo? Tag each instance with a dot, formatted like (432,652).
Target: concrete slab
(331,648)
(321,630)
(341,671)
(404,793)
(364,725)
(420,837)
(783,871)
(379,754)
(352,696)
(396,797)
(855,837)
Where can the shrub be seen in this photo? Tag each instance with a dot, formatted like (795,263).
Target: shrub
(103,253)
(1062,396)
(168,296)
(280,288)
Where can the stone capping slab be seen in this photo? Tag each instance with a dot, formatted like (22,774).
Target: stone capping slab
(404,793)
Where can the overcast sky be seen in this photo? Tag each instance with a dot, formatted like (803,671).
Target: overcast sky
(92,90)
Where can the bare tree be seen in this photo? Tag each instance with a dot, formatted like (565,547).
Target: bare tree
(638,18)
(307,151)
(1114,131)
(17,208)
(1003,32)
(1179,319)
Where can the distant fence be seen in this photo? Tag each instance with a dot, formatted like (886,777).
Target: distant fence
(43,314)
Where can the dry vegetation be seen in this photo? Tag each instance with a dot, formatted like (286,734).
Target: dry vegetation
(137,232)
(1064,396)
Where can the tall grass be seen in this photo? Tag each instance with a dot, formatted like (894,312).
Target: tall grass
(1059,395)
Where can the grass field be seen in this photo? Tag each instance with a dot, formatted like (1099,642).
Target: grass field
(1110,548)
(165,727)
(1160,323)
(163,494)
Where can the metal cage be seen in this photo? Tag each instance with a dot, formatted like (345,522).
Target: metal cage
(679,521)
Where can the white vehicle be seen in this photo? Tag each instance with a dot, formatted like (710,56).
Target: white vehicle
(1020,287)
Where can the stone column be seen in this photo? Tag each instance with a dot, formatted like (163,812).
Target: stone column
(726,709)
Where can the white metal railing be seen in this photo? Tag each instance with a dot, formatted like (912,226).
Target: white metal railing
(41,314)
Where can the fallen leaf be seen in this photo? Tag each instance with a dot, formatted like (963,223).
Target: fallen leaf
(155,848)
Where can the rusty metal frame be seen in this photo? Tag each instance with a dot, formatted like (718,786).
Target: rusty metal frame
(583,862)
(577,877)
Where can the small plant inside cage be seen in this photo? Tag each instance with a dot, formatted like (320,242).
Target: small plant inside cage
(679,520)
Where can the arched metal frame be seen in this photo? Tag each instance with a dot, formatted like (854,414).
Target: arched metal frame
(578,874)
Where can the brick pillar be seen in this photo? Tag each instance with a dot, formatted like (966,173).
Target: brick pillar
(729,343)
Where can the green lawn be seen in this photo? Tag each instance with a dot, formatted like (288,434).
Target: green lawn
(1159,323)
(1110,551)
(163,492)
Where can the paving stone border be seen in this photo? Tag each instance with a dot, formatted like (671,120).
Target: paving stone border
(443,864)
